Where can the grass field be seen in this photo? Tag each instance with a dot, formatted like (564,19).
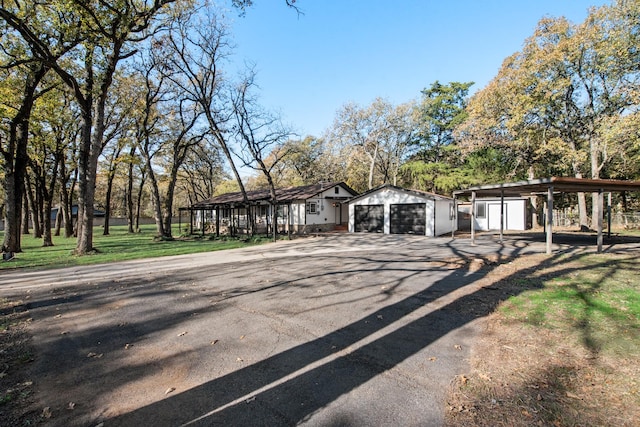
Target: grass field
(119,245)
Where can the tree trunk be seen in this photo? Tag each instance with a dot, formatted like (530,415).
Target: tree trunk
(107,204)
(46,235)
(15,163)
(25,214)
(139,203)
(33,207)
(129,195)
(155,199)
(59,217)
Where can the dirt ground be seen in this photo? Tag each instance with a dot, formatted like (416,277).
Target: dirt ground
(523,375)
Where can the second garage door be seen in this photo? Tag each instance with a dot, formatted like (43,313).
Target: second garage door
(369,218)
(408,219)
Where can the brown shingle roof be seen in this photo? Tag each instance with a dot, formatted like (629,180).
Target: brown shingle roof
(284,195)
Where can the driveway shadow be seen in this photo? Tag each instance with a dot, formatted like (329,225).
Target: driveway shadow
(290,387)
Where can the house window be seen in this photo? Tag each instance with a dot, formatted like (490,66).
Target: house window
(312,208)
(481,210)
(336,190)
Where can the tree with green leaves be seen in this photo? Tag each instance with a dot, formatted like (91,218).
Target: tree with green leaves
(555,101)
(103,35)
(437,165)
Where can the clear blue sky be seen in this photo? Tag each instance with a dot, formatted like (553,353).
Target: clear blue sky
(343,51)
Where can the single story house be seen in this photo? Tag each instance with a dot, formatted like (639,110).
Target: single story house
(394,210)
(516,211)
(308,208)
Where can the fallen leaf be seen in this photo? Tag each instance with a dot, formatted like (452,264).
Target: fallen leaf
(214,342)
(128,346)
(433,359)
(57,316)
(46,412)
(71,405)
(457,347)
(539,397)
(573,396)
(484,377)
(169,390)
(181,334)
(239,359)
(95,355)
(242,337)
(463,379)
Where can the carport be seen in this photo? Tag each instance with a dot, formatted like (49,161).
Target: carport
(548,187)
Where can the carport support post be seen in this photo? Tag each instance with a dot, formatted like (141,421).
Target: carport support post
(600,214)
(454,217)
(501,214)
(549,221)
(609,215)
(473,218)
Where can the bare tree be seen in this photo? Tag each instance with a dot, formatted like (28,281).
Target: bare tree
(258,133)
(195,50)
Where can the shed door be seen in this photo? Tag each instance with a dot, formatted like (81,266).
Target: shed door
(409,219)
(494,216)
(369,218)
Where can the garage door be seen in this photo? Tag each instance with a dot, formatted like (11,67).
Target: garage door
(369,218)
(408,219)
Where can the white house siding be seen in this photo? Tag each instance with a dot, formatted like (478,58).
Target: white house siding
(437,212)
(443,222)
(515,214)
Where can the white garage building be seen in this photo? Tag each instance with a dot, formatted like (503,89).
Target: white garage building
(394,210)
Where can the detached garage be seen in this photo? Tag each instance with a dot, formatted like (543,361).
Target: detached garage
(394,210)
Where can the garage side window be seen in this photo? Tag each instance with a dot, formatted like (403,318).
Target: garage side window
(312,208)
(481,210)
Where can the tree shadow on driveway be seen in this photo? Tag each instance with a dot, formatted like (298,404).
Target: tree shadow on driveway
(363,371)
(294,385)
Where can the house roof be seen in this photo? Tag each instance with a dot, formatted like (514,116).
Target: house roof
(419,193)
(559,184)
(284,195)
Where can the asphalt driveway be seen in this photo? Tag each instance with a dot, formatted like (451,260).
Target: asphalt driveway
(333,330)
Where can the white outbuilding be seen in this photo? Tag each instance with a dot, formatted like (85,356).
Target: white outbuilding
(394,210)
(516,214)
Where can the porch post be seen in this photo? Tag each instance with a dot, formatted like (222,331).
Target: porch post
(600,215)
(217,221)
(289,220)
(549,221)
(473,218)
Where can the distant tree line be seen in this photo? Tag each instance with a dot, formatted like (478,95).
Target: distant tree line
(130,107)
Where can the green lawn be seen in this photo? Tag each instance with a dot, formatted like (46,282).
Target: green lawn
(118,246)
(596,299)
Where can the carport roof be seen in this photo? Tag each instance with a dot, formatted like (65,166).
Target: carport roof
(559,184)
